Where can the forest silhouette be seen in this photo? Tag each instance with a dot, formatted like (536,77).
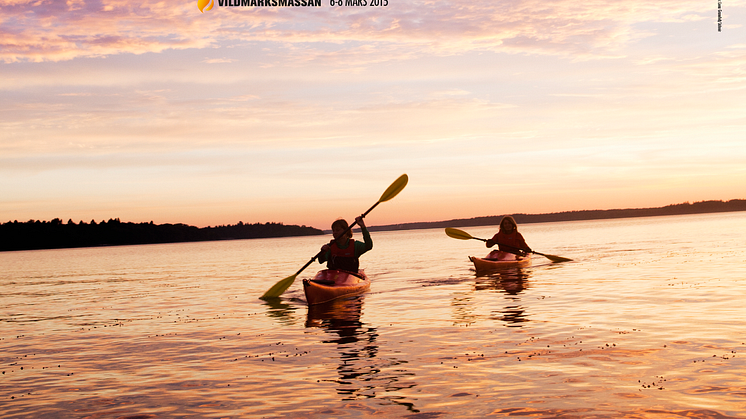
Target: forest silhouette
(55,234)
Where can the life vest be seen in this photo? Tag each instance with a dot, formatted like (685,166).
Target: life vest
(344,259)
(514,239)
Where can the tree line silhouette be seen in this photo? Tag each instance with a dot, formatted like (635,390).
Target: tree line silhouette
(55,234)
(701,207)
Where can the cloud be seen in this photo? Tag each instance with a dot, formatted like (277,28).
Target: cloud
(56,30)
(218,60)
(105,99)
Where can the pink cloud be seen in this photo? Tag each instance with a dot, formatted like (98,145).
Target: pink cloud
(55,30)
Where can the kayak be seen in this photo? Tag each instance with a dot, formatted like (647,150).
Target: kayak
(497,260)
(331,284)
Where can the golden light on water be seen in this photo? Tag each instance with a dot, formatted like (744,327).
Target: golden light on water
(179,329)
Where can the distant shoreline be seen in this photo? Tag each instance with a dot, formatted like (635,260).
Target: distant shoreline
(701,207)
(55,234)
(38,235)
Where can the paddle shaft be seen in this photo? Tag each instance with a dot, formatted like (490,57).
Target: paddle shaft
(462,235)
(390,193)
(532,251)
(506,245)
(318,255)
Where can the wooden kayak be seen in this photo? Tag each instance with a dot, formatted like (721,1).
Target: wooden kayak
(331,284)
(497,260)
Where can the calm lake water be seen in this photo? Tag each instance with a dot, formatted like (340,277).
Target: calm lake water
(648,321)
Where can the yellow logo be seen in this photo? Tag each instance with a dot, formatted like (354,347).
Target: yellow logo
(205,5)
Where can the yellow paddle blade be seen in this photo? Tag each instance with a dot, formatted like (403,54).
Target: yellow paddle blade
(458,234)
(279,288)
(395,188)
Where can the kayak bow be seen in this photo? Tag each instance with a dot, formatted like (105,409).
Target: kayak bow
(330,284)
(497,260)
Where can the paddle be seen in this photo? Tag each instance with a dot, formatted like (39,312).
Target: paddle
(462,235)
(284,284)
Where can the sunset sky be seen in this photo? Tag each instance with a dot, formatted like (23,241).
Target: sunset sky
(155,111)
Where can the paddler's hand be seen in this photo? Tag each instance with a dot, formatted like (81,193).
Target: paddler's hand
(325,248)
(359,220)
(489,243)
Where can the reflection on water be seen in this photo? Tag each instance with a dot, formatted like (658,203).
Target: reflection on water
(511,282)
(280,310)
(361,373)
(341,315)
(179,330)
(355,342)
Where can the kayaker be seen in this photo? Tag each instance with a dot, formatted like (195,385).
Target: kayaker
(508,239)
(343,252)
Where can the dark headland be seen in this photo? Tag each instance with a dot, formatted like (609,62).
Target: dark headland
(56,234)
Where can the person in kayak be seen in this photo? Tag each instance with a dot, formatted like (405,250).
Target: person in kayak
(343,252)
(508,239)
